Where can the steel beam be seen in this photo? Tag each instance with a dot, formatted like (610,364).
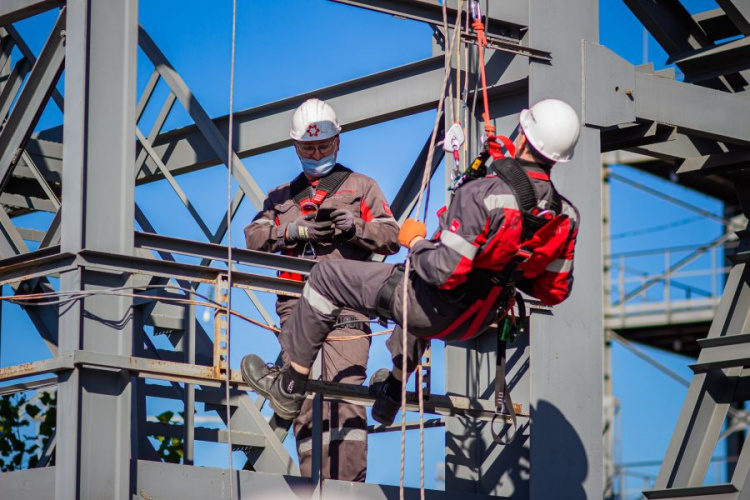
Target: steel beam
(213,136)
(670,24)
(96,450)
(506,22)
(691,109)
(365,101)
(716,24)
(566,347)
(714,61)
(29,55)
(12,11)
(707,402)
(215,252)
(31,484)
(159,480)
(12,85)
(408,193)
(30,103)
(694,110)
(738,11)
(719,163)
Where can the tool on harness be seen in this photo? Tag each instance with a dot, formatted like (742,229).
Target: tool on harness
(532,221)
(454,139)
(493,148)
(309,202)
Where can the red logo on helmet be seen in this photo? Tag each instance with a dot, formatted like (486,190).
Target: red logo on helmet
(313,130)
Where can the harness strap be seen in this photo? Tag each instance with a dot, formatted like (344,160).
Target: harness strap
(301,189)
(384,298)
(503,402)
(514,176)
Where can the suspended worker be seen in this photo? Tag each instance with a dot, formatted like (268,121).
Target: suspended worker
(507,230)
(327,212)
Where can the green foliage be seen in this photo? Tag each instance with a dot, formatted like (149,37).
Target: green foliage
(170,449)
(27,425)
(20,446)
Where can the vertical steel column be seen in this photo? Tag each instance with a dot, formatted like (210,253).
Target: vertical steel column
(93,423)
(474,463)
(567,348)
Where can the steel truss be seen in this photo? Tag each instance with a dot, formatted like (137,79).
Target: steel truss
(100,353)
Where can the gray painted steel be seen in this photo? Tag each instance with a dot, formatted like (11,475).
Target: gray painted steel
(94,416)
(567,347)
(559,451)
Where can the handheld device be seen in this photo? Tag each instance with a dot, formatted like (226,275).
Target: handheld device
(324,214)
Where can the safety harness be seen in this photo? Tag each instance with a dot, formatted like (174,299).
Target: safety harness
(301,192)
(509,328)
(309,200)
(493,293)
(301,189)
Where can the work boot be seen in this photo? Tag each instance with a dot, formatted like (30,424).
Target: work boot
(266,380)
(384,388)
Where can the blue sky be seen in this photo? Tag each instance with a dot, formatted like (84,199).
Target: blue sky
(287,47)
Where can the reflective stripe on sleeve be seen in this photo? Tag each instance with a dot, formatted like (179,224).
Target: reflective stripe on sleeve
(458,244)
(318,302)
(385,218)
(495,201)
(560,266)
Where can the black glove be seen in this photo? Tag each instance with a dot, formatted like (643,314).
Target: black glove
(304,228)
(344,220)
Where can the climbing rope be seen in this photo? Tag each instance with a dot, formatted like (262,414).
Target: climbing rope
(230,161)
(405,290)
(479,28)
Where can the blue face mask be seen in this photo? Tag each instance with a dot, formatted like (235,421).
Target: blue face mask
(318,168)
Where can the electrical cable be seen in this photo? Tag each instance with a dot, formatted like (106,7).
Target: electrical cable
(736,414)
(407,266)
(726,222)
(655,229)
(230,163)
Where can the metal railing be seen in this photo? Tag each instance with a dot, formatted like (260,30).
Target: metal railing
(665,286)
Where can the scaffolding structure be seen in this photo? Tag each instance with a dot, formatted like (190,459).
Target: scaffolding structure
(87,173)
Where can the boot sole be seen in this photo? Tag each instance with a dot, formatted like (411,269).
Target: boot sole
(274,403)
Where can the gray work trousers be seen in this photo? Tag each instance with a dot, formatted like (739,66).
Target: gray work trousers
(337,284)
(344,424)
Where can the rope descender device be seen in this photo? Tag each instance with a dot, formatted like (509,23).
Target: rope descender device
(493,148)
(492,144)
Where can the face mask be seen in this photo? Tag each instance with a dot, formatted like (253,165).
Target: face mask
(318,168)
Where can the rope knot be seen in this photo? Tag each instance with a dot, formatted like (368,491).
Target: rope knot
(478,25)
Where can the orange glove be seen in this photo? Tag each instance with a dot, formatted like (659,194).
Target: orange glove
(411,229)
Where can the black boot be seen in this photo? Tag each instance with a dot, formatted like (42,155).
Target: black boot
(385,388)
(267,381)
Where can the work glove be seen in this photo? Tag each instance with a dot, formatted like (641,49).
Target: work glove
(304,228)
(344,221)
(411,229)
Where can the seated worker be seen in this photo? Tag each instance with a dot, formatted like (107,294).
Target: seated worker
(327,212)
(491,239)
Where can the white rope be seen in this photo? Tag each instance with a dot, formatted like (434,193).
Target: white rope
(230,161)
(407,268)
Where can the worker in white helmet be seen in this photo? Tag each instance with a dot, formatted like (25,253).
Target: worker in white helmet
(328,212)
(504,231)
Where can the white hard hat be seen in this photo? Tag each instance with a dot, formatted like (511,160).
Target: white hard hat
(552,128)
(314,120)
